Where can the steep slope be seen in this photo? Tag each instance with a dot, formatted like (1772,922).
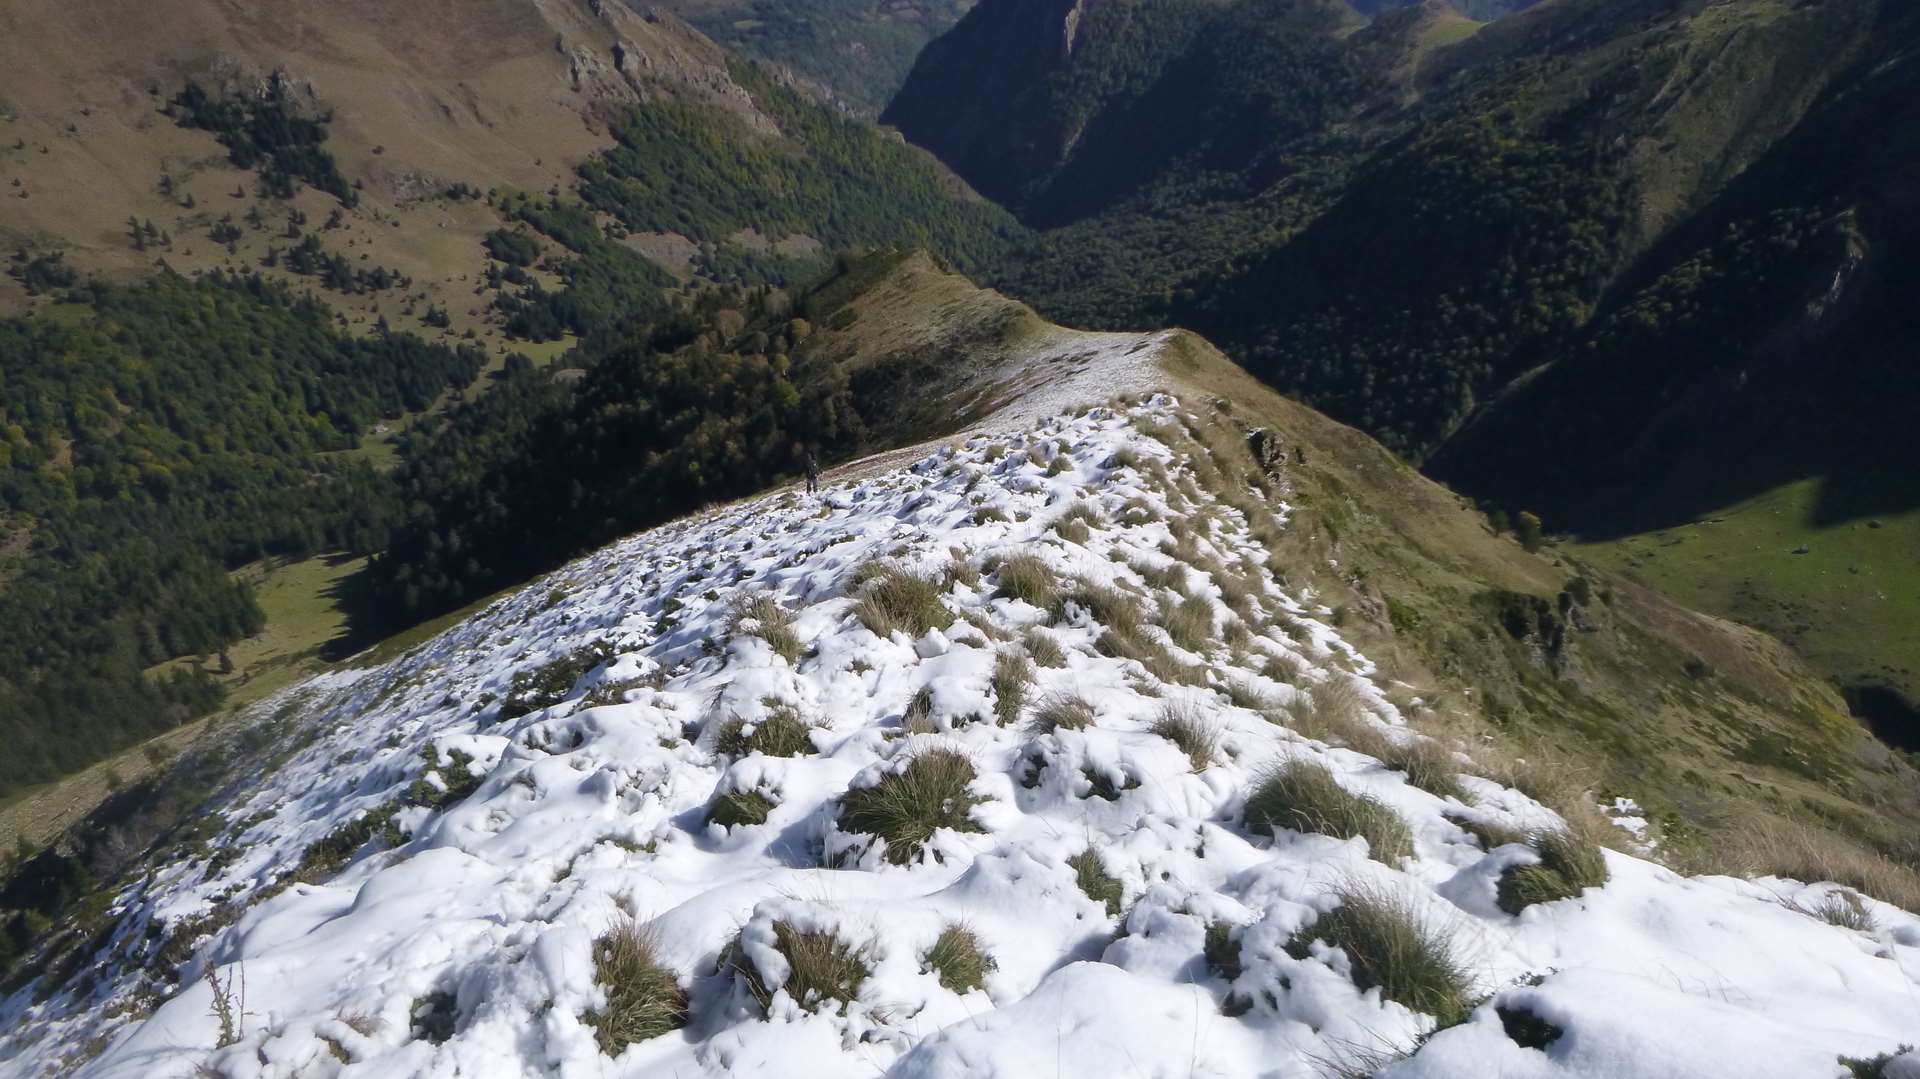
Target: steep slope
(420,98)
(437,195)
(1120,618)
(860,50)
(1529,255)
(724,732)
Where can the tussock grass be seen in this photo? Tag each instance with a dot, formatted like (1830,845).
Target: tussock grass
(783,733)
(1570,863)
(1112,608)
(1043,648)
(906,807)
(1302,796)
(1092,878)
(1078,523)
(1283,668)
(735,808)
(1152,655)
(918,718)
(1428,764)
(1841,908)
(1057,711)
(1774,847)
(1027,578)
(892,599)
(1244,694)
(1187,727)
(1190,624)
(1012,677)
(959,571)
(1332,711)
(1238,592)
(1138,511)
(1172,576)
(820,967)
(643,997)
(1489,834)
(989,515)
(1389,945)
(959,960)
(760,615)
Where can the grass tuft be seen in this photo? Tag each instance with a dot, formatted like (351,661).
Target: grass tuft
(781,734)
(1078,523)
(760,615)
(906,807)
(1305,797)
(958,959)
(1190,624)
(1012,677)
(643,997)
(820,967)
(735,808)
(1043,648)
(1092,878)
(1186,727)
(1058,711)
(1570,863)
(1028,578)
(1389,945)
(892,599)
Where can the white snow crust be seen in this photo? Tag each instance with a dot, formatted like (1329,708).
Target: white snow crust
(491,903)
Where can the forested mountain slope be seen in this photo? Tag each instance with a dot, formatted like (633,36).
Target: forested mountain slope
(250,251)
(1623,264)
(860,50)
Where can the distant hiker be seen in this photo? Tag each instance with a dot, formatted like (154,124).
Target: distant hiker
(813,472)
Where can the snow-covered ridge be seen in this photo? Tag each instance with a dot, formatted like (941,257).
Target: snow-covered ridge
(516,787)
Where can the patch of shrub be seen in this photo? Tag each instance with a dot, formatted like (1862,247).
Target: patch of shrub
(1873,1067)
(548,685)
(1222,951)
(456,778)
(1303,796)
(958,959)
(329,854)
(906,807)
(1569,864)
(1092,878)
(1389,946)
(643,997)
